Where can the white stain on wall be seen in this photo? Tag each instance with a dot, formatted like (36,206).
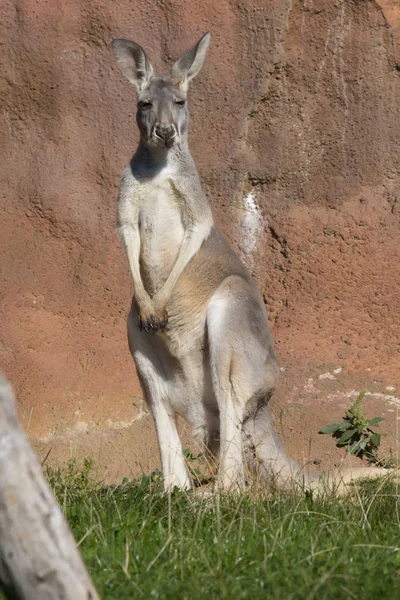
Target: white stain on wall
(251,225)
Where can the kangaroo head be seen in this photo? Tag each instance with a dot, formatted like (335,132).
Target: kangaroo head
(162,115)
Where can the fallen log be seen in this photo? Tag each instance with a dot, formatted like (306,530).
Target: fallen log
(39,559)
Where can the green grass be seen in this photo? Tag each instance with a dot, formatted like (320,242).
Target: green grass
(138,542)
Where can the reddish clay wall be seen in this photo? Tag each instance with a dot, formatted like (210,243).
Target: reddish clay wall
(296,133)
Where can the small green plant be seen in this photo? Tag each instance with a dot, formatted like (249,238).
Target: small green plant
(72,480)
(154,480)
(198,477)
(355,432)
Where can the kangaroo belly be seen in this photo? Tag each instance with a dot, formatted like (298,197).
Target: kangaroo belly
(161,234)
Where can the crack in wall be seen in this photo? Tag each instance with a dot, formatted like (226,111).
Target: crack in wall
(281,241)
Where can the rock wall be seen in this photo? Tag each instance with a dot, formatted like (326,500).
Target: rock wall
(296,133)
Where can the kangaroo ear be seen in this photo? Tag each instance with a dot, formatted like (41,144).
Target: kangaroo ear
(133,62)
(190,63)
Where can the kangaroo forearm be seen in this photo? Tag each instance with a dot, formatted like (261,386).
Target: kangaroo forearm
(141,295)
(189,247)
(131,239)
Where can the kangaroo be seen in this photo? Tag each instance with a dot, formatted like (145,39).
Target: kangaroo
(198,328)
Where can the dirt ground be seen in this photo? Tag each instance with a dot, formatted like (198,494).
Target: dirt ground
(295,128)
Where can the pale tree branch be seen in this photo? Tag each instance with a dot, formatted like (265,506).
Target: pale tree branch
(39,559)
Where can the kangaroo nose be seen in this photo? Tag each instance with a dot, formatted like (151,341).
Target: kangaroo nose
(166,134)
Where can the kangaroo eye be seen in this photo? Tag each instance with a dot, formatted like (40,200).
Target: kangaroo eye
(145,104)
(180,102)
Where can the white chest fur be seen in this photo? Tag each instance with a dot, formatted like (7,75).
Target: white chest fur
(161,229)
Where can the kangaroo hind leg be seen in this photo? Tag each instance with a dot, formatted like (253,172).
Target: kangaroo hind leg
(155,372)
(240,351)
(264,453)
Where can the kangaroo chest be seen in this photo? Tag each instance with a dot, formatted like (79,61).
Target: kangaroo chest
(161,234)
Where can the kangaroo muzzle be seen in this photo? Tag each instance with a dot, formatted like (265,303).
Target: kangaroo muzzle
(165,136)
